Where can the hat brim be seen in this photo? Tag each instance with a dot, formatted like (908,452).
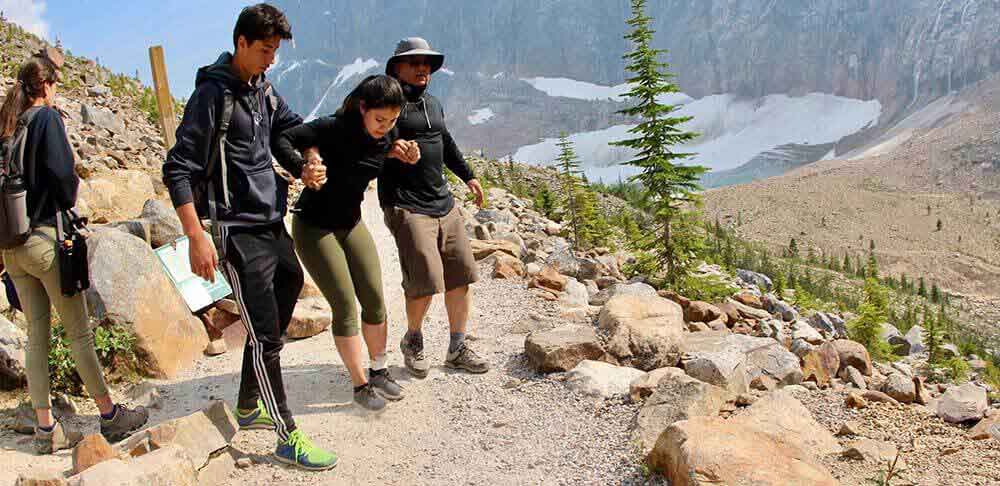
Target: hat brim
(437,59)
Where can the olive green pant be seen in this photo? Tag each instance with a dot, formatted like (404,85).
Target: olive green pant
(344,264)
(34,268)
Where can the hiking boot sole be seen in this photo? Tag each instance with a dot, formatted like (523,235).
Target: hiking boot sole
(292,462)
(393,398)
(417,373)
(257,427)
(475,371)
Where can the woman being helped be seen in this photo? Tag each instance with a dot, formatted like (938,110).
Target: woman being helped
(51,184)
(330,238)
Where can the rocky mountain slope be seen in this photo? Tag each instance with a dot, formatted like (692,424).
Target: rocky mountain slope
(901,53)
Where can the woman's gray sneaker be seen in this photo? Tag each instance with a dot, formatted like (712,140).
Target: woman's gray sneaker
(123,423)
(465,358)
(385,384)
(60,437)
(368,399)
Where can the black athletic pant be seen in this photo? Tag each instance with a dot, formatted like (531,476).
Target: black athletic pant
(266,279)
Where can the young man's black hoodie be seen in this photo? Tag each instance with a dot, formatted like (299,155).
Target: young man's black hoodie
(257,195)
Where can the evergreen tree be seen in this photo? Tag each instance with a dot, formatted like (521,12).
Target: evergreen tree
(871,245)
(939,225)
(858,268)
(672,187)
(811,256)
(847,265)
(932,336)
(935,293)
(903,284)
(569,173)
(922,289)
(544,202)
(872,269)
(867,328)
(793,249)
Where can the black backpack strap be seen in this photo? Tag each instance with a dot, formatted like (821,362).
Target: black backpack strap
(217,159)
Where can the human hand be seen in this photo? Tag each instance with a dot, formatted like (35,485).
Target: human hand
(407,151)
(314,172)
(477,190)
(202,256)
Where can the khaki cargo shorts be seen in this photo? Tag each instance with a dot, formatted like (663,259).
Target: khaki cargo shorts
(434,253)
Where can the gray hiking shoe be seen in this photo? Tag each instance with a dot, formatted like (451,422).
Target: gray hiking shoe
(385,384)
(61,437)
(465,358)
(368,399)
(124,422)
(413,357)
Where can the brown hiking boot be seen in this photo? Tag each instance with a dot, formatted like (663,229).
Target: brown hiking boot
(61,437)
(465,358)
(124,422)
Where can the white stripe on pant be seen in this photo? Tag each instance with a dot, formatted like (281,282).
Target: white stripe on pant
(267,395)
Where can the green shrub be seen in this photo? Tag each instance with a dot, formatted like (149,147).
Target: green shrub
(115,348)
(707,289)
(956,369)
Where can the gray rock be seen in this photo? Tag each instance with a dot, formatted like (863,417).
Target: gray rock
(900,387)
(98,91)
(575,294)
(481,232)
(563,348)
(565,262)
(709,358)
(590,269)
(805,332)
(494,216)
(903,368)
(780,307)
(822,323)
(754,278)
(636,289)
(643,331)
(964,403)
(800,347)
(675,397)
(531,323)
(774,329)
(513,238)
(533,268)
(596,378)
(102,118)
(164,225)
(13,342)
(851,375)
(592,288)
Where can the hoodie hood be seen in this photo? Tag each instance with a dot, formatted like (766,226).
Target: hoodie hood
(221,71)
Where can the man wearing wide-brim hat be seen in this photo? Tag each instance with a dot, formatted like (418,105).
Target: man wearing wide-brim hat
(434,249)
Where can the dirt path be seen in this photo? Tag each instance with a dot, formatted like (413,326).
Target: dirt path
(506,427)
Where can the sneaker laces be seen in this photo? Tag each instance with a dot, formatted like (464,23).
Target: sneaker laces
(466,353)
(299,442)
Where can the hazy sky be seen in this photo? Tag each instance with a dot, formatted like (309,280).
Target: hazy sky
(118,33)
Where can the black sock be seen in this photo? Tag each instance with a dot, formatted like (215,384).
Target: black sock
(456,341)
(359,388)
(111,414)
(47,429)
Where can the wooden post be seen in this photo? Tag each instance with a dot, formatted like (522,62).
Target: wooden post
(165,102)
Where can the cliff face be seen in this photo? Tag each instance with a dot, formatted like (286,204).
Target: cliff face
(904,53)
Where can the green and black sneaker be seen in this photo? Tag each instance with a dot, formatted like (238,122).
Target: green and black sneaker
(255,419)
(299,451)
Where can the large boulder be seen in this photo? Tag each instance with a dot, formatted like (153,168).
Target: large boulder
(563,348)
(963,403)
(781,414)
(117,195)
(164,225)
(804,332)
(591,269)
(781,308)
(900,387)
(636,289)
(747,312)
(130,289)
(200,434)
(821,364)
(643,332)
(854,354)
(101,117)
(753,278)
(575,294)
(822,323)
(675,397)
(763,356)
(599,379)
(13,342)
(714,358)
(987,428)
(482,249)
(565,262)
(698,311)
(704,451)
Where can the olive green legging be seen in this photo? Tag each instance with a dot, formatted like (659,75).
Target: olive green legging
(344,264)
(34,269)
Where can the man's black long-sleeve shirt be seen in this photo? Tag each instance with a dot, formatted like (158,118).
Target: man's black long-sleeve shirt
(422,188)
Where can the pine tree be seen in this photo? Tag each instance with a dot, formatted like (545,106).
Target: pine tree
(939,225)
(932,336)
(872,269)
(569,173)
(811,256)
(793,249)
(903,284)
(871,245)
(922,289)
(847,265)
(935,293)
(672,186)
(544,202)
(867,328)
(858,268)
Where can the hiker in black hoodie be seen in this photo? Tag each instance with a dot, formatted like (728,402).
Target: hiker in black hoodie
(434,250)
(257,253)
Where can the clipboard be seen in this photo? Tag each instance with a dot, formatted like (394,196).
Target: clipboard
(197,292)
